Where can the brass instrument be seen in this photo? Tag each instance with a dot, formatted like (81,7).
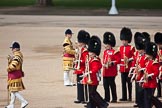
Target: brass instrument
(86,75)
(160,56)
(107,62)
(145,77)
(131,71)
(138,67)
(89,81)
(125,59)
(77,61)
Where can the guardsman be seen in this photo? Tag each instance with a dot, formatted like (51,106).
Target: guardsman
(150,74)
(126,54)
(68,57)
(110,60)
(82,39)
(158,41)
(138,67)
(93,67)
(15,74)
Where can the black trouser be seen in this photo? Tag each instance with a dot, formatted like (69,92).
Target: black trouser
(95,100)
(109,83)
(81,96)
(148,93)
(139,95)
(125,79)
(159,88)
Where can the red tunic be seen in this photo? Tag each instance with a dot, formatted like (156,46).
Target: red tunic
(84,53)
(94,67)
(140,61)
(114,56)
(127,51)
(152,67)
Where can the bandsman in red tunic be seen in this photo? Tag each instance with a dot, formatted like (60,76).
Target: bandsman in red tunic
(138,67)
(82,38)
(126,54)
(150,74)
(15,74)
(110,60)
(93,67)
(158,41)
(68,57)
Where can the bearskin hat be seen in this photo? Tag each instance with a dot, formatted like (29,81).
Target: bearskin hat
(147,35)
(109,38)
(126,34)
(158,38)
(140,41)
(83,36)
(94,45)
(151,49)
(87,37)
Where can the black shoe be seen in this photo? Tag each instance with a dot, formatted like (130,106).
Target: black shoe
(68,85)
(83,102)
(122,99)
(106,100)
(113,101)
(85,106)
(77,101)
(25,106)
(74,84)
(158,96)
(105,105)
(135,105)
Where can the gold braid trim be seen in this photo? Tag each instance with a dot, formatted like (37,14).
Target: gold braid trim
(15,85)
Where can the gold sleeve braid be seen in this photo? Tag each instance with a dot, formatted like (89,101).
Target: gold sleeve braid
(16,62)
(68,47)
